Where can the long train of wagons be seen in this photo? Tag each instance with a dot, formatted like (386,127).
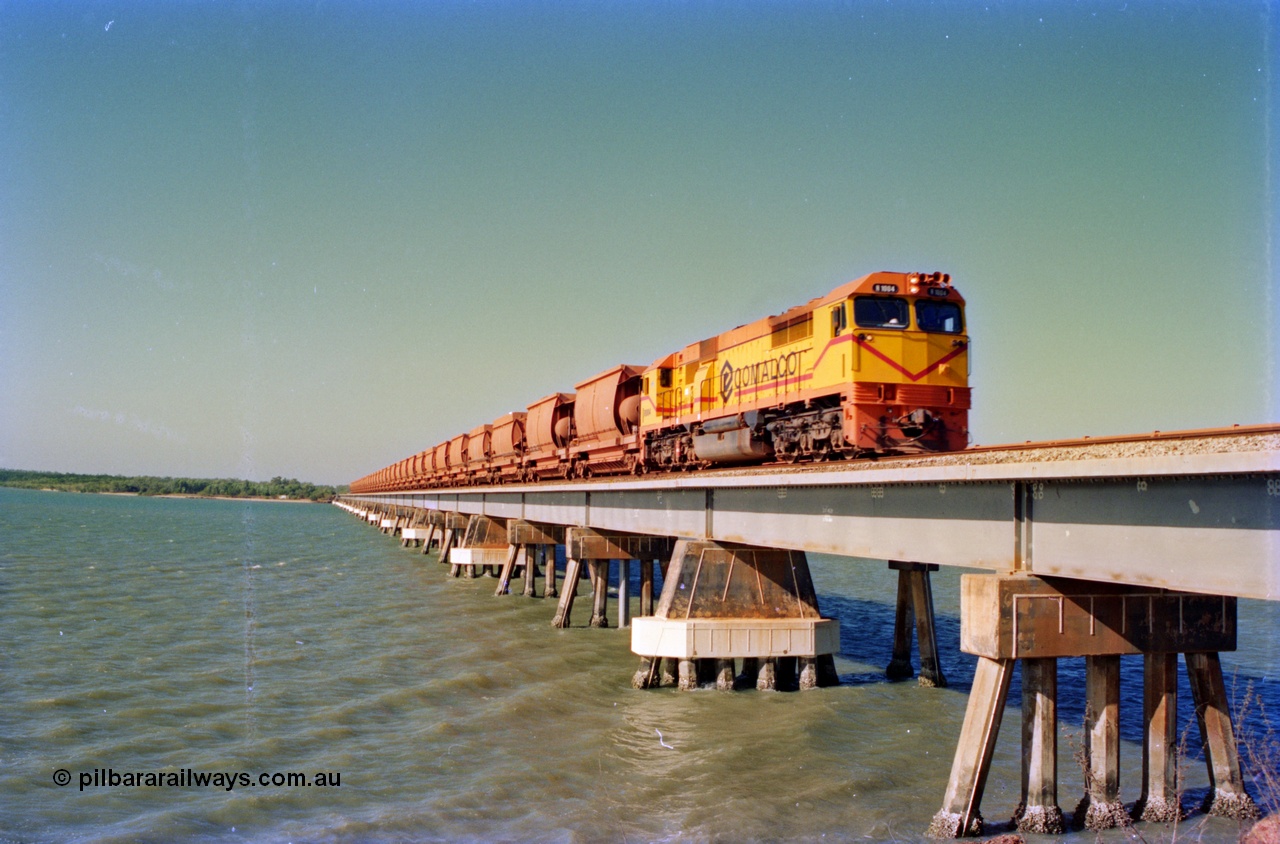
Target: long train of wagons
(880,365)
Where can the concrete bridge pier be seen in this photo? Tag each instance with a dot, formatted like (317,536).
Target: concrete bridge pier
(435,525)
(455,525)
(423,532)
(1101,807)
(390,522)
(1033,620)
(483,549)
(1160,793)
(915,603)
(1227,796)
(530,544)
(1038,810)
(411,534)
(597,549)
(723,602)
(1159,799)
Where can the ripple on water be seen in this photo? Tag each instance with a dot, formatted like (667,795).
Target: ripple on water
(453,715)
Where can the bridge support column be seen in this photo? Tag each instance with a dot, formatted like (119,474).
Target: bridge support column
(418,532)
(960,813)
(435,530)
(515,557)
(564,609)
(1039,810)
(915,601)
(411,521)
(598,571)
(1159,799)
(531,555)
(532,541)
(483,547)
(446,546)
(454,526)
(646,587)
(549,589)
(1005,618)
(624,593)
(1101,807)
(1227,797)
(723,602)
(597,549)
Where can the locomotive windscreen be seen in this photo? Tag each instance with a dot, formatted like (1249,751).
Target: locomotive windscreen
(942,317)
(880,312)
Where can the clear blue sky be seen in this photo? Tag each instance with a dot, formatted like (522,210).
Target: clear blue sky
(308,239)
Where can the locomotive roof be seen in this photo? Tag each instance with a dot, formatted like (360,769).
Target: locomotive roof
(902,283)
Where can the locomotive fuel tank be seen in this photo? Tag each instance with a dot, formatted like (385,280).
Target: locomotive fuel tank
(731,439)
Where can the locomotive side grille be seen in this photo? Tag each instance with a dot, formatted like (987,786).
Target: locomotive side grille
(921,395)
(911,395)
(872,393)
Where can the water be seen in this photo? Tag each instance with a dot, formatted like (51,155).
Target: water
(156,635)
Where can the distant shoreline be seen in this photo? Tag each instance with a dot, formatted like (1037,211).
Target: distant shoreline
(179,495)
(230,489)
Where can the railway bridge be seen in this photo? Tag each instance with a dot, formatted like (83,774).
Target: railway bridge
(1095,548)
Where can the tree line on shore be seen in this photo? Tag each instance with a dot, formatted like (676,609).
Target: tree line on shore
(144,485)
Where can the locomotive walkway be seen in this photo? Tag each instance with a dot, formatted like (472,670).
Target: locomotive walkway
(1094,548)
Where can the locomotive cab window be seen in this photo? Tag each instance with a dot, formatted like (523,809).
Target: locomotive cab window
(880,312)
(664,377)
(839,320)
(940,317)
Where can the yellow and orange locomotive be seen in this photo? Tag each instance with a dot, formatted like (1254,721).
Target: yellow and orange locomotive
(879,365)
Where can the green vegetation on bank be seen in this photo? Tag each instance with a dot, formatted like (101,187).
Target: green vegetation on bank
(217,487)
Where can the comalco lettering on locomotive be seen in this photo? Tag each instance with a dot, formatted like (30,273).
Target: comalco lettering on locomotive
(756,375)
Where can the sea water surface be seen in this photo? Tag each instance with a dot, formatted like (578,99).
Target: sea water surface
(180,637)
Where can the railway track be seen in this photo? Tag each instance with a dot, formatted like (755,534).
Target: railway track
(1236,438)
